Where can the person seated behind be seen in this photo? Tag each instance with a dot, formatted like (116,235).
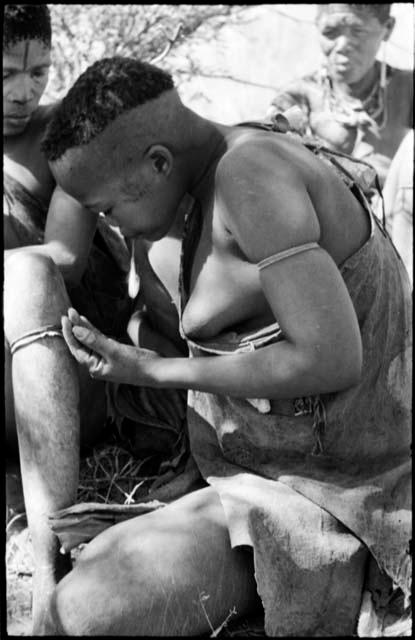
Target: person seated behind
(354,103)
(56,255)
(297,314)
(398,195)
(36,209)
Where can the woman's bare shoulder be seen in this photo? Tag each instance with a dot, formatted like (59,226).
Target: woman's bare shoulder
(262,155)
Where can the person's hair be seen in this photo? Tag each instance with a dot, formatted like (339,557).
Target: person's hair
(379,11)
(26,22)
(107,89)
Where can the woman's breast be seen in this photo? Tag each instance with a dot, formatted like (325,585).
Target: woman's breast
(226,294)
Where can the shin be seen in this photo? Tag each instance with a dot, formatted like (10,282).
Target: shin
(46,407)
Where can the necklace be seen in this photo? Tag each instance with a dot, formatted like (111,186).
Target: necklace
(370,113)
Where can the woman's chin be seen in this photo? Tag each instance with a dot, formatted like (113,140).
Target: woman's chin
(14,127)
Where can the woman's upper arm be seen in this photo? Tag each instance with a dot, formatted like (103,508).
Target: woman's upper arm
(314,310)
(306,291)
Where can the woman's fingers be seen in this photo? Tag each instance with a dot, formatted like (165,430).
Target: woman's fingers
(79,320)
(86,334)
(105,358)
(96,366)
(94,340)
(82,353)
(73,315)
(79,352)
(85,322)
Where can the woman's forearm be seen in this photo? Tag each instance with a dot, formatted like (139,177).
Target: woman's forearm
(277,371)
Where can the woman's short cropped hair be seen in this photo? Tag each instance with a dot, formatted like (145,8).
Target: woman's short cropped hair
(26,22)
(379,11)
(107,89)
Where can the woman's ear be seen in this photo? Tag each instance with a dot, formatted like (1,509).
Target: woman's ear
(161,159)
(389,25)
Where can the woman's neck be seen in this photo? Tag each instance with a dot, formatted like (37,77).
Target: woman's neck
(360,89)
(203,157)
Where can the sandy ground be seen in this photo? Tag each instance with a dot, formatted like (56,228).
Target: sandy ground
(19,568)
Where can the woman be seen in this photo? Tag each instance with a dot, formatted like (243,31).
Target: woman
(296,311)
(355,103)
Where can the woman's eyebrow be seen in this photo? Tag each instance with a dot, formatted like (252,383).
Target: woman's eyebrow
(39,67)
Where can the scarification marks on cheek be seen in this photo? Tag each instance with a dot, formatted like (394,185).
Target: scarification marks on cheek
(136,188)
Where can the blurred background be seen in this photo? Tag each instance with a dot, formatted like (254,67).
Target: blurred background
(227,60)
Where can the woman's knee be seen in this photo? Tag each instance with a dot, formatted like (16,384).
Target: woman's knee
(34,293)
(149,574)
(72,607)
(29,271)
(120,582)
(27,263)
(105,594)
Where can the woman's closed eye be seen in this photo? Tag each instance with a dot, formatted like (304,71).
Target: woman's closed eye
(330,33)
(40,73)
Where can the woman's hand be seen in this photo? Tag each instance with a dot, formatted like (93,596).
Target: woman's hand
(105,358)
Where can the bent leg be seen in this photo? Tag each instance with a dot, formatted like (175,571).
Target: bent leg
(169,572)
(46,406)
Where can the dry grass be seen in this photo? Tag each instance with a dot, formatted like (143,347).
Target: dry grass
(230,627)
(113,475)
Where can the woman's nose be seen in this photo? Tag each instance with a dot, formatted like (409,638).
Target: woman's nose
(22,90)
(341,43)
(344,43)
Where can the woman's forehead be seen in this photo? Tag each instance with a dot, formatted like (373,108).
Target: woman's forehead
(348,19)
(26,53)
(83,172)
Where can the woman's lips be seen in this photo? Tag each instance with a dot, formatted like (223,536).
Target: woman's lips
(17,118)
(342,62)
